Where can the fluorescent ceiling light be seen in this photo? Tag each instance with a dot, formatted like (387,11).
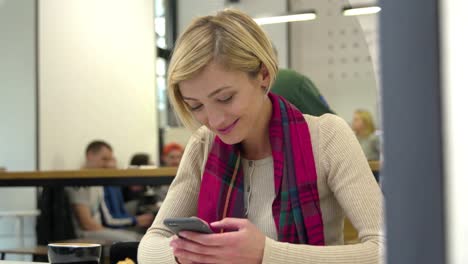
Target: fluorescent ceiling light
(361,11)
(285,18)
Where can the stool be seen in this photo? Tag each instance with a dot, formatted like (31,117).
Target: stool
(19,215)
(21,250)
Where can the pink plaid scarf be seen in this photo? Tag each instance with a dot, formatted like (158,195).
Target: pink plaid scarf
(296,208)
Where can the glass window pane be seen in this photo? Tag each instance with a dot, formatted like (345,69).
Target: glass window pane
(161,42)
(162,96)
(160,67)
(159,8)
(160,26)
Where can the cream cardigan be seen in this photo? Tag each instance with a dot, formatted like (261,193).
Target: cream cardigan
(346,188)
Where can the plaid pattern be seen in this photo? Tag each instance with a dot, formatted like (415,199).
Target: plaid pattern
(296,208)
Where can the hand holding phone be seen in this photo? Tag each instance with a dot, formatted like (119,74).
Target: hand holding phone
(192,224)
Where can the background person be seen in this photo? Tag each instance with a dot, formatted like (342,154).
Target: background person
(171,154)
(88,203)
(301,92)
(364,128)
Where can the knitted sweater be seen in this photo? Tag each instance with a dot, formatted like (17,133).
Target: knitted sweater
(346,188)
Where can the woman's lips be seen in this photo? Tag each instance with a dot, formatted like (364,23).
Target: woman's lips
(228,129)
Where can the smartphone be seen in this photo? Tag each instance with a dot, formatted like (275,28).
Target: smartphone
(187,224)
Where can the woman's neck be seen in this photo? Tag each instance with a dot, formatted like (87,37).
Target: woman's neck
(257,144)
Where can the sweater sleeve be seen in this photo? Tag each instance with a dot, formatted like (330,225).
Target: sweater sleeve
(181,201)
(350,179)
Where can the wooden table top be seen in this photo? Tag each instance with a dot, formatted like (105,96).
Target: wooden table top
(144,176)
(163,175)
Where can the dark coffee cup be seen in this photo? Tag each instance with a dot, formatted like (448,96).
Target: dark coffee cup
(77,253)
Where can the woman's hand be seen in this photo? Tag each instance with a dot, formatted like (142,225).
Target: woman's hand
(245,245)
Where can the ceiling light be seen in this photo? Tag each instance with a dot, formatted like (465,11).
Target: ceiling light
(358,11)
(285,18)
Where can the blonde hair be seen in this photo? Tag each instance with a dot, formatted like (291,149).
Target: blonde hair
(230,38)
(367,119)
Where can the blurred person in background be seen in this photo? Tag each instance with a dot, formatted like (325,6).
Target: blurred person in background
(299,90)
(140,199)
(135,192)
(92,217)
(116,214)
(171,154)
(364,129)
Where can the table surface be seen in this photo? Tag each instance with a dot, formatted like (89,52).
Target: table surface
(154,176)
(88,177)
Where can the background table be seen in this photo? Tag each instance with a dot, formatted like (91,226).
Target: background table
(163,175)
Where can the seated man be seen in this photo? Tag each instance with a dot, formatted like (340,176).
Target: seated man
(115,215)
(89,206)
(301,92)
(114,211)
(134,193)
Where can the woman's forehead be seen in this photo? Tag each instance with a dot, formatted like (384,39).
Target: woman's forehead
(212,78)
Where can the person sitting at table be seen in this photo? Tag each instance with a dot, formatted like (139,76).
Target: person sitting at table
(134,194)
(171,154)
(364,128)
(115,212)
(139,197)
(273,183)
(91,214)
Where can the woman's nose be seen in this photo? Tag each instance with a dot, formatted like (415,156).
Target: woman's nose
(215,118)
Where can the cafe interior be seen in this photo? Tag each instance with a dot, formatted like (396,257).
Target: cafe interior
(73,72)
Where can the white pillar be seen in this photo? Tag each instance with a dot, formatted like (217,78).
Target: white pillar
(454,58)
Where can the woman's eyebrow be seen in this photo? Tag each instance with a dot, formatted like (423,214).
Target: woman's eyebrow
(210,95)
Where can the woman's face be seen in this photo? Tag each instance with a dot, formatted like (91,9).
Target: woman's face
(227,102)
(172,158)
(358,125)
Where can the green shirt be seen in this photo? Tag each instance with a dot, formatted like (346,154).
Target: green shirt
(301,92)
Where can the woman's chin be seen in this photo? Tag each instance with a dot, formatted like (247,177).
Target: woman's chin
(229,139)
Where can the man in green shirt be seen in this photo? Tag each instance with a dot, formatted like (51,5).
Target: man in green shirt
(300,91)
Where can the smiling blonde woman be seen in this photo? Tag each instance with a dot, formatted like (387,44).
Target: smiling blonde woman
(274,184)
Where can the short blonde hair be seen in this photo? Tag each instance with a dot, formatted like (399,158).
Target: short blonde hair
(230,38)
(367,120)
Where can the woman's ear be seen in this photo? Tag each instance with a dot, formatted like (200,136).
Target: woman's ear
(265,77)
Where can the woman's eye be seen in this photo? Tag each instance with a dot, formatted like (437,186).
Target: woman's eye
(195,107)
(225,99)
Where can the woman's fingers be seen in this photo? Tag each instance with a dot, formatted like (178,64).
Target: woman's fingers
(222,239)
(193,257)
(194,247)
(231,223)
